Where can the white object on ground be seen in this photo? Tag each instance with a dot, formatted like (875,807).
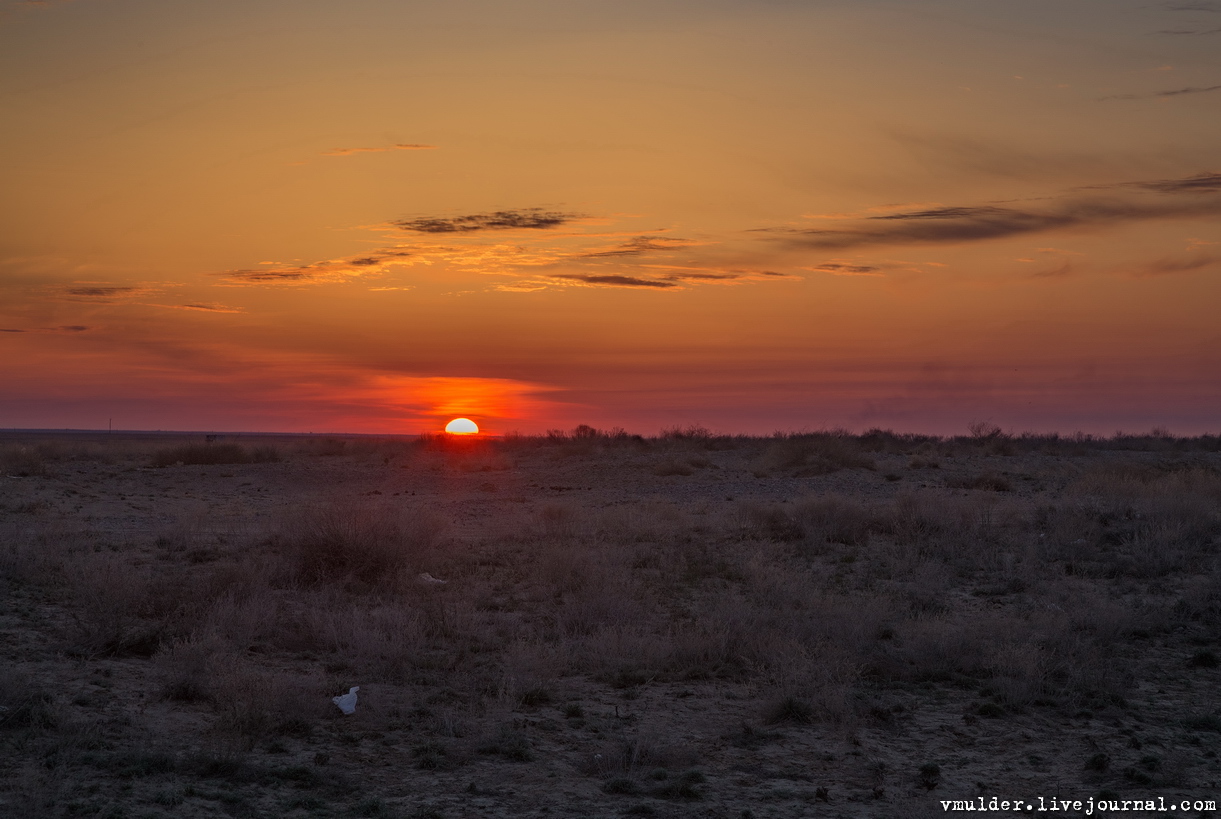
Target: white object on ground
(428,578)
(347,703)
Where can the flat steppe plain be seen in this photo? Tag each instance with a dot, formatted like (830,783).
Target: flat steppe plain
(596,626)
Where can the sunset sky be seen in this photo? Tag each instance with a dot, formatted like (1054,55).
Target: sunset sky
(376,215)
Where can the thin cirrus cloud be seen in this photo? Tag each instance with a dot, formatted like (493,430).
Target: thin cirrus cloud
(1210,6)
(1200,183)
(526,218)
(1189,197)
(402,146)
(1175,92)
(1173,265)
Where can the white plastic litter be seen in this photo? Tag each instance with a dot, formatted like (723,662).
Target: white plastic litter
(347,703)
(428,578)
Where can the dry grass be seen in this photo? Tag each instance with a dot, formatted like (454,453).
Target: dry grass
(623,636)
(813,454)
(211,454)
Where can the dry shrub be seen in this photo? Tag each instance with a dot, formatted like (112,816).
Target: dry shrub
(986,481)
(530,671)
(889,441)
(1135,480)
(382,640)
(23,703)
(834,519)
(816,679)
(24,461)
(363,546)
(36,557)
(935,650)
(560,521)
(730,634)
(917,517)
(1201,600)
(969,534)
(265,454)
(673,466)
(598,606)
(253,703)
(123,609)
(691,432)
(1134,520)
(646,521)
(623,652)
(188,668)
(324,447)
(817,454)
(211,454)
(243,613)
(509,741)
(646,750)
(1066,658)
(590,587)
(1066,532)
(566,567)
(766,521)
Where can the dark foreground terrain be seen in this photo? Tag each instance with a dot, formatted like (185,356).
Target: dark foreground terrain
(686,626)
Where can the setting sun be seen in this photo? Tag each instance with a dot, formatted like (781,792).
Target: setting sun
(462,426)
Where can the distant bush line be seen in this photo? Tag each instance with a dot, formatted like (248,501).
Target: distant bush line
(212,454)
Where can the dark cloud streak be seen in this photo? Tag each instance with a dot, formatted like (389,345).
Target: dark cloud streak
(1200,183)
(641,245)
(98,292)
(833,267)
(615,280)
(1200,5)
(1172,93)
(268,275)
(1166,267)
(1189,197)
(527,218)
(703,276)
(1188,90)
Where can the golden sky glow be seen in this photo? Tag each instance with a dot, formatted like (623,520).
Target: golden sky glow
(377,216)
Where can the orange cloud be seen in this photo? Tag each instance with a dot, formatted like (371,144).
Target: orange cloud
(526,241)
